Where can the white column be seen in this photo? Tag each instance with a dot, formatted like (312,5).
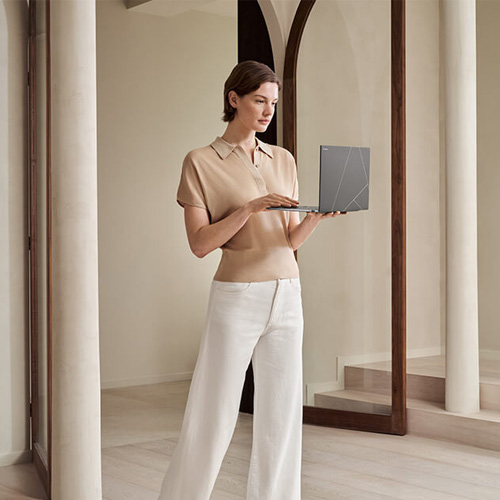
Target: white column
(76,440)
(462,343)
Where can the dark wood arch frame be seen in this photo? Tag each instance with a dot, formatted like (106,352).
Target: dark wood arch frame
(396,422)
(42,460)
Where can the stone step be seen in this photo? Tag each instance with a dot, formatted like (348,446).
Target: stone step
(424,381)
(347,400)
(425,418)
(363,379)
(431,420)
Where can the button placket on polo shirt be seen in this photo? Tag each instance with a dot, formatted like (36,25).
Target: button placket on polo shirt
(254,170)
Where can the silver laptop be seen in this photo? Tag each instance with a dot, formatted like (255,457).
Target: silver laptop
(343,180)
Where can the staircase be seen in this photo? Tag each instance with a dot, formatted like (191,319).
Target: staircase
(368,389)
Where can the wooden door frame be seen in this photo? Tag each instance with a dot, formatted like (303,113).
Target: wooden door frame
(396,422)
(42,460)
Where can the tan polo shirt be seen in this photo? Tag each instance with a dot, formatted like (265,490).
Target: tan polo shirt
(221,178)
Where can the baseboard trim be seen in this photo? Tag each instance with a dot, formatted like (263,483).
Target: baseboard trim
(318,388)
(160,379)
(15,458)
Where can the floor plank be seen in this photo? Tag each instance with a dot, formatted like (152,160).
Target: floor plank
(20,482)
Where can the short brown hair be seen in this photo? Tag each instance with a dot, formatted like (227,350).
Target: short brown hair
(246,77)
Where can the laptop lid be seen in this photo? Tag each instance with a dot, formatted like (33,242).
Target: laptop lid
(344,178)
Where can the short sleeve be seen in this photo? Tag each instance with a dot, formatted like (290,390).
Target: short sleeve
(295,193)
(190,191)
(293,166)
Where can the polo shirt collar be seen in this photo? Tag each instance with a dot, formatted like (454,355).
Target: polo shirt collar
(265,148)
(224,149)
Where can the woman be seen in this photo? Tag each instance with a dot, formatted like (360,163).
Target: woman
(255,309)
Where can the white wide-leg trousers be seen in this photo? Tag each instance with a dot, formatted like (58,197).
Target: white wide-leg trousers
(261,322)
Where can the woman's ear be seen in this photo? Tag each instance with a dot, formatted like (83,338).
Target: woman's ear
(233,98)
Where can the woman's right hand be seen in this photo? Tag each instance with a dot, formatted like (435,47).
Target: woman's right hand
(204,237)
(270,200)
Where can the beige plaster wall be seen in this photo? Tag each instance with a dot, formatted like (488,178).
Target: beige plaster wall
(14,375)
(488,174)
(424,181)
(159,90)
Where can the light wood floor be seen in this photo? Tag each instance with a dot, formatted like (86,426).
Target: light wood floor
(141,426)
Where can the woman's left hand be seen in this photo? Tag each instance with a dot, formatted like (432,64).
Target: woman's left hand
(327,215)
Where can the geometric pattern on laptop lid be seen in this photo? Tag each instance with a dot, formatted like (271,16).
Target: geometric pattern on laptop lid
(345,184)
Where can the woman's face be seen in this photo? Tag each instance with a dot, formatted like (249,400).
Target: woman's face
(254,111)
